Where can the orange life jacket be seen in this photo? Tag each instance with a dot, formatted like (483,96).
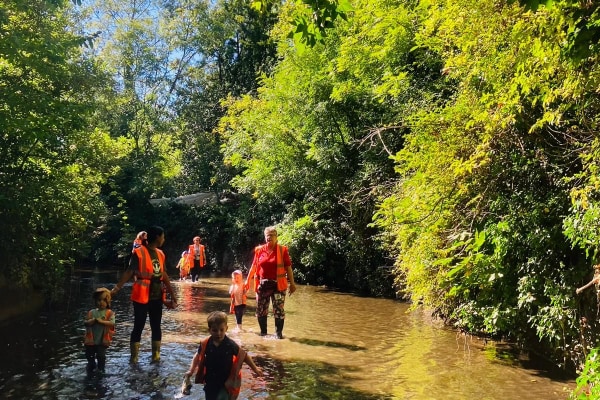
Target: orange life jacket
(109,331)
(282,282)
(183,265)
(233,383)
(141,286)
(192,255)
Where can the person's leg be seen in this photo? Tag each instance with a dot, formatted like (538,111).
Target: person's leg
(90,353)
(262,310)
(219,393)
(279,312)
(196,271)
(155,312)
(101,355)
(140,312)
(239,314)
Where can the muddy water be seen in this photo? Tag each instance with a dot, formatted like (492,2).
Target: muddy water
(336,346)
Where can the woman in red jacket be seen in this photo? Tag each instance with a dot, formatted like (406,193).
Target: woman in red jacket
(271,270)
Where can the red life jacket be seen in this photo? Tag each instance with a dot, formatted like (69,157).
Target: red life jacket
(233,383)
(109,331)
(282,282)
(141,286)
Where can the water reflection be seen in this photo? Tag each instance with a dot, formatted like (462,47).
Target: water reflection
(336,346)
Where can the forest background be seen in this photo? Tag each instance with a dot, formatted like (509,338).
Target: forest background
(445,152)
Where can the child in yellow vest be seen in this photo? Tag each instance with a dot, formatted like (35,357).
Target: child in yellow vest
(183,266)
(99,329)
(218,362)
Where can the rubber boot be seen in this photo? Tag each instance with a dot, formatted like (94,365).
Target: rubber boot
(262,322)
(91,366)
(156,351)
(279,327)
(135,352)
(101,364)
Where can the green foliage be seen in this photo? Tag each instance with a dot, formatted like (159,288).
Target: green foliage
(52,167)
(454,139)
(313,19)
(481,213)
(298,144)
(588,382)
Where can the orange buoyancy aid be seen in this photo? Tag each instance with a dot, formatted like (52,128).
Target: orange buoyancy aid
(107,336)
(282,282)
(183,265)
(141,286)
(233,384)
(192,255)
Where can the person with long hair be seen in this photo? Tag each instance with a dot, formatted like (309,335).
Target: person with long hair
(147,264)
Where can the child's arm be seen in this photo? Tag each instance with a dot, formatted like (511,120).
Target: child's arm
(194,364)
(248,360)
(89,321)
(106,322)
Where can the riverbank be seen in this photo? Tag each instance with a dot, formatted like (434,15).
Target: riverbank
(16,302)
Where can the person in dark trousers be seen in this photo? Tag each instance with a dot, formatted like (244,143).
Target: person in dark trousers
(196,258)
(147,264)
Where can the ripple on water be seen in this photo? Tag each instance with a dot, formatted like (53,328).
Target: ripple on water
(336,346)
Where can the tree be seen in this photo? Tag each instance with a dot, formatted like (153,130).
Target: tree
(52,164)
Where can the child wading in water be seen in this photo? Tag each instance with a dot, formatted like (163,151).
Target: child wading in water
(183,266)
(218,362)
(99,330)
(237,291)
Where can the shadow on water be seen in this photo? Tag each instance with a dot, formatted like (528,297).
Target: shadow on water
(336,346)
(312,342)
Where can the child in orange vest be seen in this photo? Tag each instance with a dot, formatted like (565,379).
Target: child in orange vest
(99,330)
(218,362)
(183,266)
(237,291)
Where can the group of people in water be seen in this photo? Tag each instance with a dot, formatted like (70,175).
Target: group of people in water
(217,362)
(192,261)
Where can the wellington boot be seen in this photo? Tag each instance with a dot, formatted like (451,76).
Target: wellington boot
(156,351)
(279,327)
(135,352)
(262,322)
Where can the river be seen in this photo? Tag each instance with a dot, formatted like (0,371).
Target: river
(335,346)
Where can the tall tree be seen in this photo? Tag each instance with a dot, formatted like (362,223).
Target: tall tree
(51,162)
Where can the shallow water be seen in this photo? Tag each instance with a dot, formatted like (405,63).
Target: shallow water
(336,346)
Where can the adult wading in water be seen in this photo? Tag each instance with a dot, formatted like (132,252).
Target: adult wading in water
(271,270)
(148,265)
(196,258)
